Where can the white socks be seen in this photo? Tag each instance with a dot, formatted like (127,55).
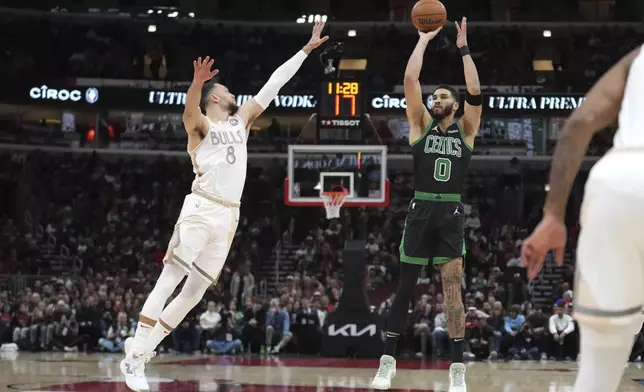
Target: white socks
(142,332)
(158,333)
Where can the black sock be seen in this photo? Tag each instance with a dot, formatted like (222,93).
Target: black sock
(390,344)
(458,346)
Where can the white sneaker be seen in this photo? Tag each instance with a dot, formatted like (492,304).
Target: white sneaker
(275,350)
(457,378)
(386,372)
(133,368)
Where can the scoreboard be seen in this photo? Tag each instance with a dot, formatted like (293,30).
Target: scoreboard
(340,110)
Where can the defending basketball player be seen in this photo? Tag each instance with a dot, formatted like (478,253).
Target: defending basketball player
(609,296)
(217,134)
(434,228)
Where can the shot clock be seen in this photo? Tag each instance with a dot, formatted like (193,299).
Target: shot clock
(340,110)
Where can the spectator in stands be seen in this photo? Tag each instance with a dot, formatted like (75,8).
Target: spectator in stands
(516,260)
(475,343)
(440,336)
(116,334)
(252,331)
(422,324)
(6,316)
(495,328)
(242,285)
(40,326)
(537,322)
(89,321)
(513,324)
(524,345)
(225,341)
(187,336)
(561,327)
(517,291)
(67,328)
(237,316)
(278,327)
(209,320)
(308,327)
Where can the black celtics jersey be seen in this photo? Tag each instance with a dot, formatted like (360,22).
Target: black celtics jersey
(441,159)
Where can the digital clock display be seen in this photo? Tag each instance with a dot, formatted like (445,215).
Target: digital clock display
(340,99)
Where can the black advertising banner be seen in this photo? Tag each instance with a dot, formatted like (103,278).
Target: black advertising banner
(512,104)
(131,98)
(139,99)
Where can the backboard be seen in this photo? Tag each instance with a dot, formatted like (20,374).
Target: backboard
(313,169)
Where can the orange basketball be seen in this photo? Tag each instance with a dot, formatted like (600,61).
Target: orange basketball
(428,15)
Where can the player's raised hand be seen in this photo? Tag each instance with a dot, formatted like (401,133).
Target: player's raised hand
(202,69)
(549,234)
(315,40)
(461,33)
(428,36)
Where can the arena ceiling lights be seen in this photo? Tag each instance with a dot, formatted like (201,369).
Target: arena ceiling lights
(170,12)
(312,18)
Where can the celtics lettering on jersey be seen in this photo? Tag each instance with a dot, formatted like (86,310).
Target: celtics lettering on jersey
(441,159)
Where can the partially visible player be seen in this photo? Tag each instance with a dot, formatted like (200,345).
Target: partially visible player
(434,231)
(609,288)
(217,134)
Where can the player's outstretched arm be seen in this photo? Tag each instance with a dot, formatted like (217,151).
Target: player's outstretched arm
(417,114)
(193,119)
(252,108)
(599,109)
(473,108)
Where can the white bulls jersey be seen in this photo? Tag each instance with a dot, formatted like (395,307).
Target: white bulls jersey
(630,134)
(620,169)
(219,161)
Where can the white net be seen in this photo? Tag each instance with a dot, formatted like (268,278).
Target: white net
(333,201)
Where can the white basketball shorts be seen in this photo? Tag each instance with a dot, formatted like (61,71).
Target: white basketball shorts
(609,281)
(202,236)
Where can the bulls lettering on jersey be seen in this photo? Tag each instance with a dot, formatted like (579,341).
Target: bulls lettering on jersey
(219,161)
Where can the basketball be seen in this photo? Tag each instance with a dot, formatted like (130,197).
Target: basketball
(428,15)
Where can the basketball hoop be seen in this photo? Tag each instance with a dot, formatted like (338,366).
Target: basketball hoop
(333,201)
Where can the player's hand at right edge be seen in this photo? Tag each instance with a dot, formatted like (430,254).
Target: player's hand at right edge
(202,70)
(550,234)
(430,35)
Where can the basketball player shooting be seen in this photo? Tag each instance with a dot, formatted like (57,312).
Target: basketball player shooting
(217,134)
(434,229)
(609,296)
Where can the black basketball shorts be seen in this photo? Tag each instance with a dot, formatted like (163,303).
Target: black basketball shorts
(434,229)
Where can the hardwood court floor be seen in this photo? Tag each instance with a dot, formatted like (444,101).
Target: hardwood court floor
(100,373)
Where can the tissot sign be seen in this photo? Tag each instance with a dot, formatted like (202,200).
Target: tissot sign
(127,98)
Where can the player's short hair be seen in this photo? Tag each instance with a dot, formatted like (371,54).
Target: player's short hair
(455,94)
(206,89)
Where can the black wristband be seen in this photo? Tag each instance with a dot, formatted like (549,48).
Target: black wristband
(474,100)
(465,50)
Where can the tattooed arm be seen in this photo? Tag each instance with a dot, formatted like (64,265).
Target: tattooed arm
(600,109)
(451,274)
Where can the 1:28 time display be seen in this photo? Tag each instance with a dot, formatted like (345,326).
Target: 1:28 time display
(343,99)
